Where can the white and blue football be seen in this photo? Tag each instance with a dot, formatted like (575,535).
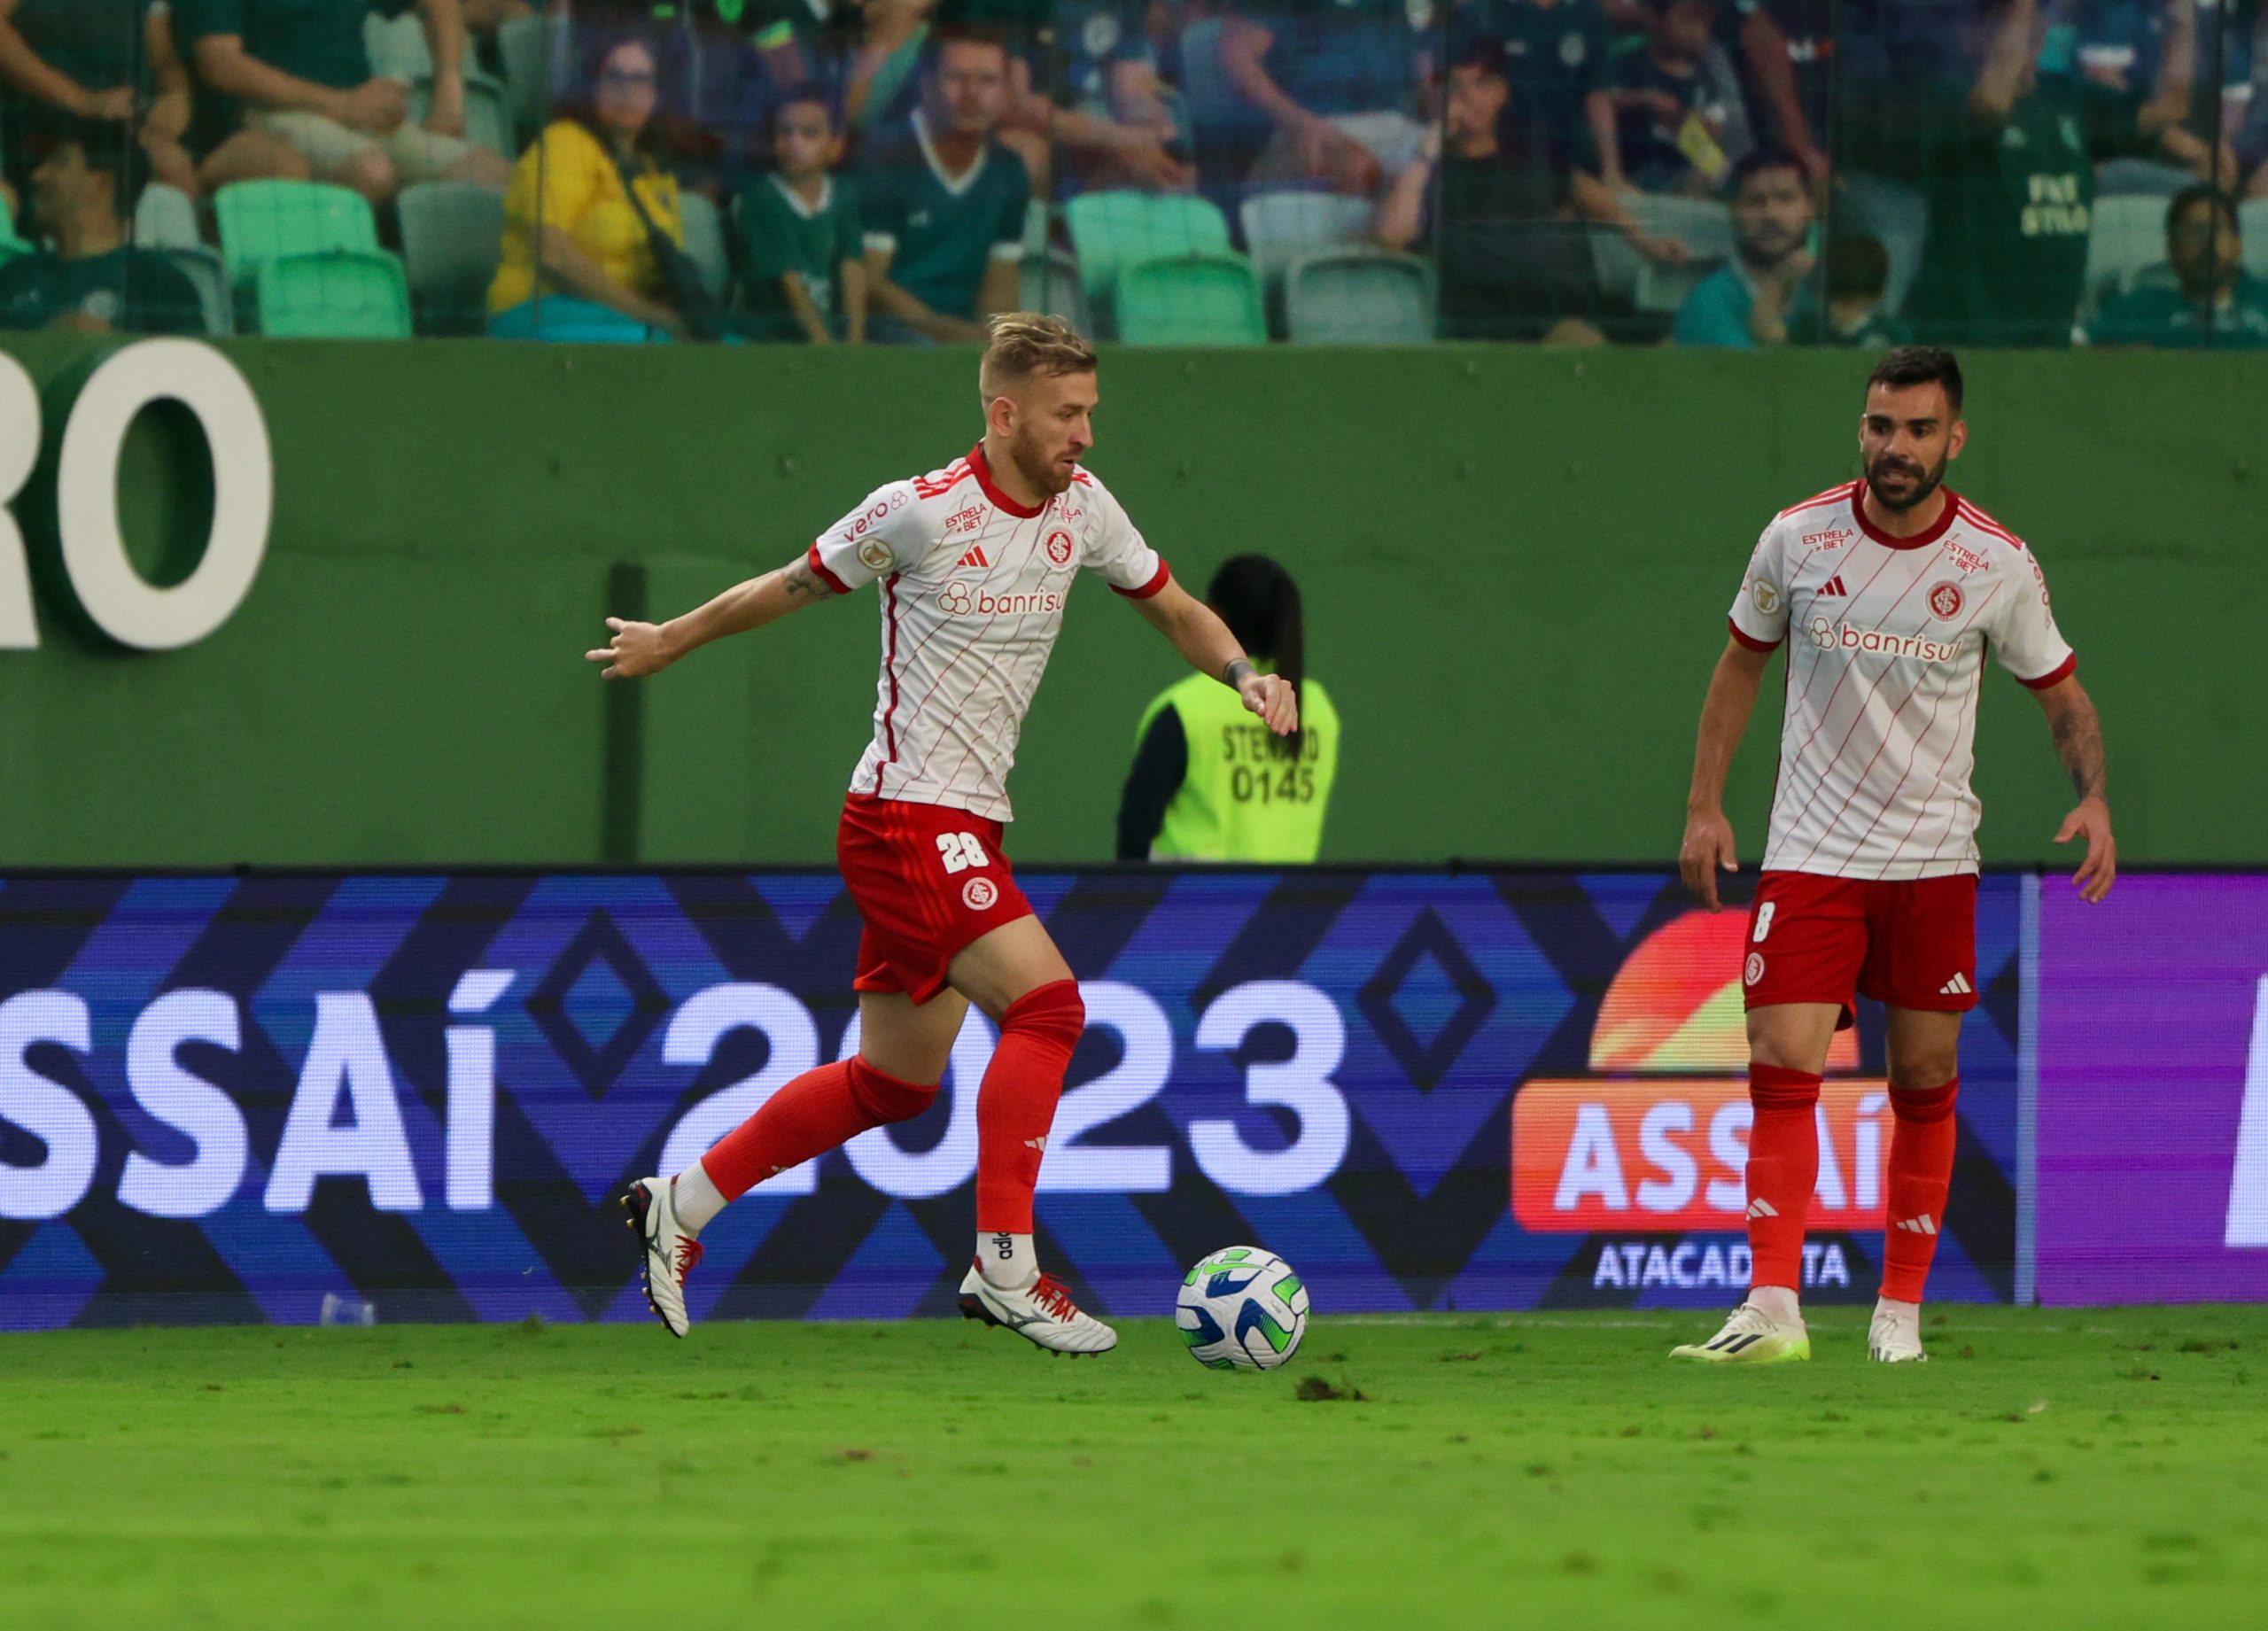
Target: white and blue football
(1241,1308)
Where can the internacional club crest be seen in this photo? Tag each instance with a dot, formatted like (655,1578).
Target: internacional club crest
(1944,599)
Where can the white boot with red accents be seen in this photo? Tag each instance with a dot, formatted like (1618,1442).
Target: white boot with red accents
(671,1251)
(1042,1312)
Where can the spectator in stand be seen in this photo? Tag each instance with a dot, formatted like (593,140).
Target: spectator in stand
(944,201)
(1787,48)
(802,241)
(1556,57)
(580,262)
(2013,160)
(1764,296)
(2215,301)
(92,280)
(102,59)
(298,70)
(1511,188)
(1680,123)
(2128,49)
(1339,81)
(1127,139)
(1858,288)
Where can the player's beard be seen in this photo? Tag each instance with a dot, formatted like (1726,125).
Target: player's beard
(1038,466)
(1925,482)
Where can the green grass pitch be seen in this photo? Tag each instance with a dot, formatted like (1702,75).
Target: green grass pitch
(2049,1470)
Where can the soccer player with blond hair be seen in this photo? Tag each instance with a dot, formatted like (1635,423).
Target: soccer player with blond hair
(975,563)
(1886,591)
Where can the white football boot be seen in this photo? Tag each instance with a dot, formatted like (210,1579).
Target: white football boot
(1895,1338)
(1042,1313)
(1750,1337)
(670,1252)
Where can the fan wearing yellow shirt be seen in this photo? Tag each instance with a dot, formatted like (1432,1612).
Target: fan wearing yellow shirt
(579,262)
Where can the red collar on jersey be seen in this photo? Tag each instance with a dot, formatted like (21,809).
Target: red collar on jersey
(1937,529)
(983,469)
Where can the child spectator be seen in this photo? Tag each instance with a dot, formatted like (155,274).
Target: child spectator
(1858,284)
(802,243)
(84,189)
(1679,123)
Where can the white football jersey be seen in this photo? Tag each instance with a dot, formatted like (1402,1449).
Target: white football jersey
(973,590)
(1886,642)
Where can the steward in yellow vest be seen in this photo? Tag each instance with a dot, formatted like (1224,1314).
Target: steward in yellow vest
(1208,782)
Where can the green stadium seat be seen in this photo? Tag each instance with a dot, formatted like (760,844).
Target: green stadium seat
(1285,223)
(166,218)
(1111,231)
(526,46)
(1191,300)
(1050,282)
(397,46)
(1359,297)
(263,220)
(704,241)
(362,296)
(452,238)
(202,266)
(2126,234)
(12,242)
(488,115)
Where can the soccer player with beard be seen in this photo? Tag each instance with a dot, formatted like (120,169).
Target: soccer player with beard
(1886,591)
(975,561)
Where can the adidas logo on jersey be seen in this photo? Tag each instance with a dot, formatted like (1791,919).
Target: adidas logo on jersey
(1922,1225)
(1761,1208)
(1833,587)
(1958,986)
(975,557)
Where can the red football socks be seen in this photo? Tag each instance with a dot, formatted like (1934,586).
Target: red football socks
(809,1117)
(1782,1168)
(1016,1104)
(1922,1141)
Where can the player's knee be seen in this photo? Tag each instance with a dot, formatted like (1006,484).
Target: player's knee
(1054,1011)
(1924,1095)
(884,1097)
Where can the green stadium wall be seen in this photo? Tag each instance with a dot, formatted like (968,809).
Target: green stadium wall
(1516,565)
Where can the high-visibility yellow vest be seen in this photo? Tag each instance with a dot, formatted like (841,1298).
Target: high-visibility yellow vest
(1244,798)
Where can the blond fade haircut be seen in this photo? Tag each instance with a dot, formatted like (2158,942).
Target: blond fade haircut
(1020,344)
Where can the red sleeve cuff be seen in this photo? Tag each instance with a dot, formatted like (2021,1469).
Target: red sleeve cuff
(1748,640)
(1158,581)
(2056,675)
(826,577)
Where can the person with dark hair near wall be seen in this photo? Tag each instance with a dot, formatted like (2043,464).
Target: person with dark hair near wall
(2214,301)
(1858,288)
(1206,785)
(579,260)
(88,175)
(802,243)
(1765,295)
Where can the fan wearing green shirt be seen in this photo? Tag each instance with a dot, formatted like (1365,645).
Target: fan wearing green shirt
(802,244)
(2214,300)
(92,281)
(945,200)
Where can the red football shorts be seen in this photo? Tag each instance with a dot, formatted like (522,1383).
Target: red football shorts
(927,880)
(1910,943)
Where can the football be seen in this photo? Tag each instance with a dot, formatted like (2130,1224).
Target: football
(1241,1308)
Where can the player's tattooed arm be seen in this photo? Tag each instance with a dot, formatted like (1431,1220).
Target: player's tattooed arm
(634,650)
(2078,734)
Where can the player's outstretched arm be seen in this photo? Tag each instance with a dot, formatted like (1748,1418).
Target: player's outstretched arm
(635,650)
(1708,842)
(2077,736)
(1206,644)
